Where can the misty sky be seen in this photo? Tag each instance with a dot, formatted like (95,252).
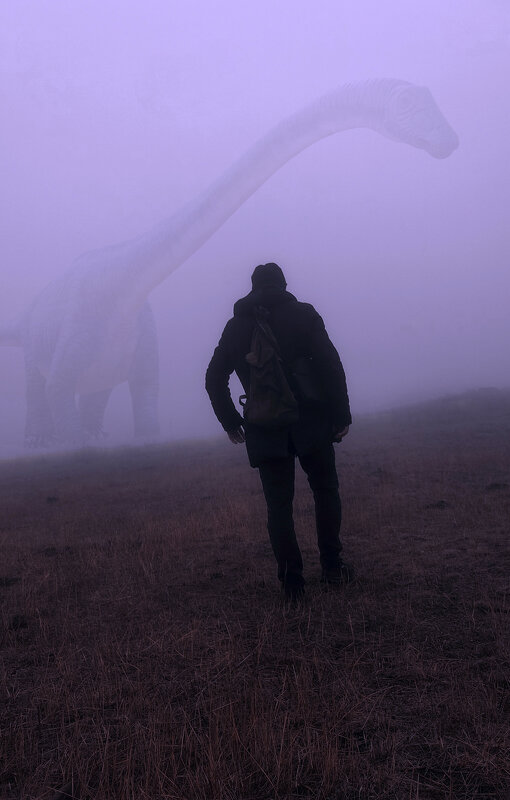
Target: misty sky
(117,113)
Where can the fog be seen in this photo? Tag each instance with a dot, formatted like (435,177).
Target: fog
(117,114)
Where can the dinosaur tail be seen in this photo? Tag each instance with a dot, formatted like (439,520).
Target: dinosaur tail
(11,334)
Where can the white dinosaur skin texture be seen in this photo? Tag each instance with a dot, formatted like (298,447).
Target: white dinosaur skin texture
(92,328)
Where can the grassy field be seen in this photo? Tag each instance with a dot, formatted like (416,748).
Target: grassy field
(146,651)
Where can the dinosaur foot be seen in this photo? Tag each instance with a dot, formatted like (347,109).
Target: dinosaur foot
(150,438)
(95,436)
(40,441)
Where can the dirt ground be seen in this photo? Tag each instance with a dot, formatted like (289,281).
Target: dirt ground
(146,650)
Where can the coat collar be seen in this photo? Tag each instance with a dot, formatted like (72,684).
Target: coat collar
(268,296)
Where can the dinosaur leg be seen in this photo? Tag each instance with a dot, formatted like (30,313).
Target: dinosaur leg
(61,398)
(72,356)
(91,409)
(144,377)
(39,428)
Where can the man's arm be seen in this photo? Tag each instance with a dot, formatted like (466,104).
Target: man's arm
(331,375)
(339,435)
(217,376)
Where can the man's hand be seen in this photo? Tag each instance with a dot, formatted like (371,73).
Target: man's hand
(339,435)
(237,436)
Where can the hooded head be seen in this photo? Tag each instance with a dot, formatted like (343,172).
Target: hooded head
(267,276)
(268,290)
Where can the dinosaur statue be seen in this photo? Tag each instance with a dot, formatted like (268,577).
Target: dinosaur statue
(92,328)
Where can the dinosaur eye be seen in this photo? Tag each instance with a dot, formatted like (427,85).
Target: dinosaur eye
(405,102)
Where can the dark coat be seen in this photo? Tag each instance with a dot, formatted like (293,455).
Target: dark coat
(300,332)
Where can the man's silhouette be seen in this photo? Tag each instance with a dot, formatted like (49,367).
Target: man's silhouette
(324,419)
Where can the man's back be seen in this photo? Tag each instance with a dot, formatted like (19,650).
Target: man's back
(300,333)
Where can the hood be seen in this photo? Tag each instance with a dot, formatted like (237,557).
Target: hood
(267,296)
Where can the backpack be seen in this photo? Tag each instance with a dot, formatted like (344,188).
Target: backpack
(270,402)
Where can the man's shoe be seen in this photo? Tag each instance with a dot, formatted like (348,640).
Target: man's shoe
(342,573)
(294,593)
(294,590)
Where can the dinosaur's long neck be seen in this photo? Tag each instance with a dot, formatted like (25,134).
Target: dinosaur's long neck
(157,253)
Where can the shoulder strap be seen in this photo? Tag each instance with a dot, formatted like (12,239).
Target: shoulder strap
(261,315)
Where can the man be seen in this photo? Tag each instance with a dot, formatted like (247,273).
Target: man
(300,334)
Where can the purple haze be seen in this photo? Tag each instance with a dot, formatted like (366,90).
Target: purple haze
(116,114)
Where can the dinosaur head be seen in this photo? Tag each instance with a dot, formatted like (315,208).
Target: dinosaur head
(412,116)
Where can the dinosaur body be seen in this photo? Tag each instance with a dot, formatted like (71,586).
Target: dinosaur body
(79,340)
(92,328)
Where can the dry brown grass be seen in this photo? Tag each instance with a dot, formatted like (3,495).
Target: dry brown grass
(146,651)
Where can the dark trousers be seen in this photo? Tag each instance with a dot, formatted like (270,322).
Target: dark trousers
(277,476)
